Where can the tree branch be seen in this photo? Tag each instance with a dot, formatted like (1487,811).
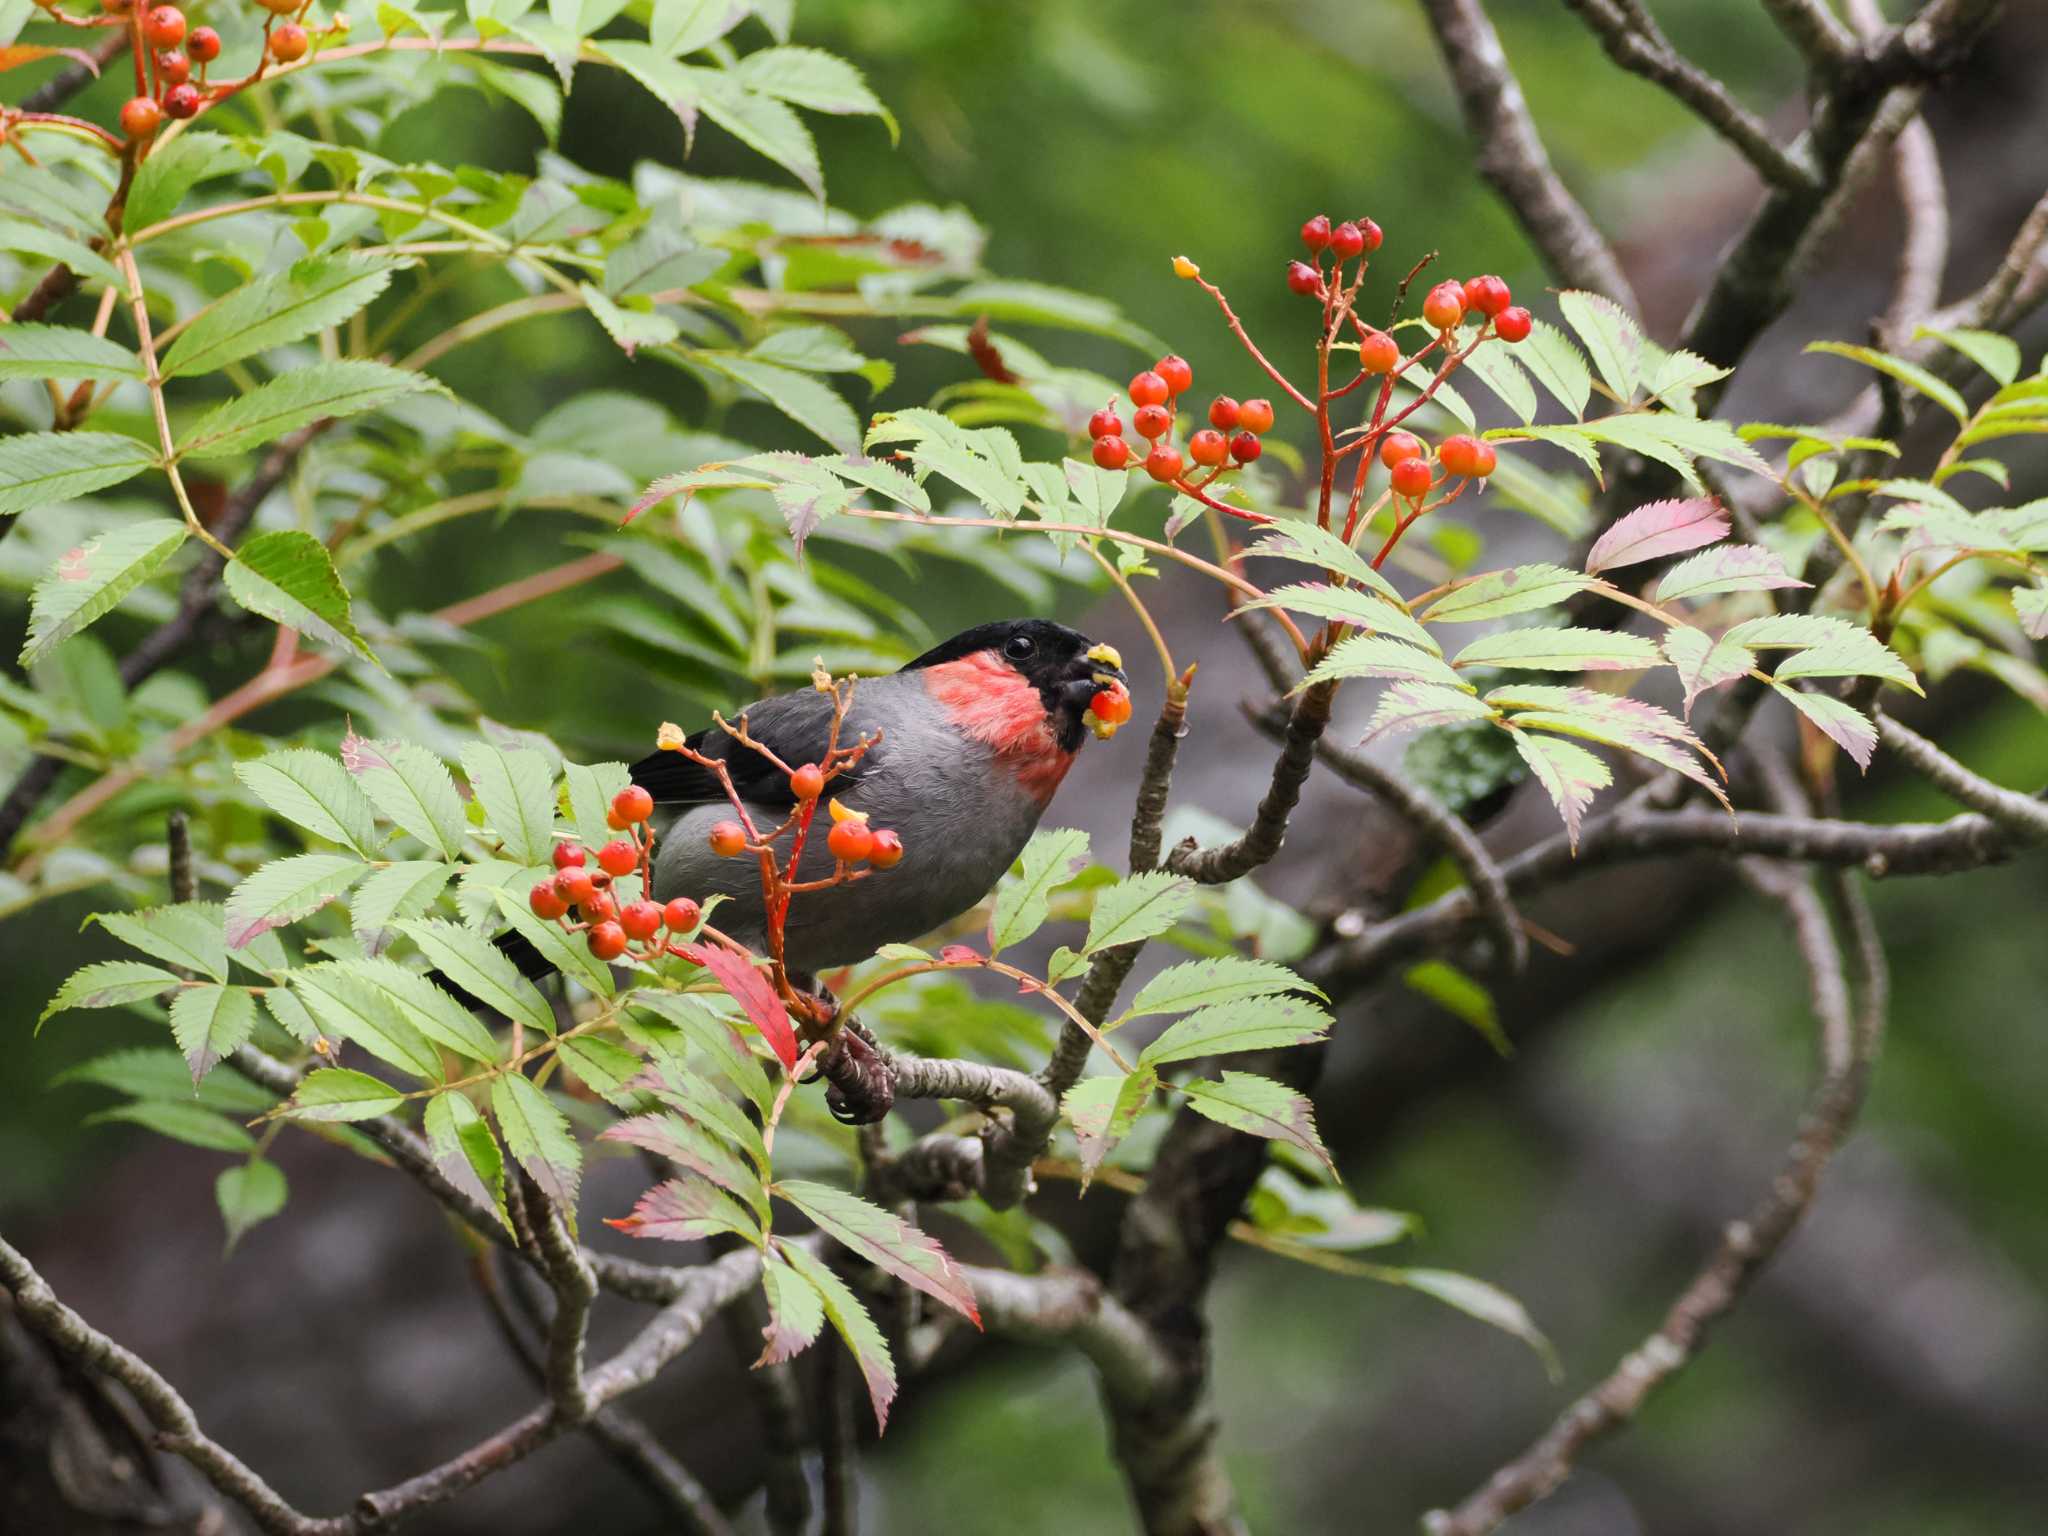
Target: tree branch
(2024,817)
(1261,840)
(1070,1306)
(1817,32)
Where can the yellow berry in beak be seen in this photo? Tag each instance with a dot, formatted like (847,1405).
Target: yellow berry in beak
(1107,654)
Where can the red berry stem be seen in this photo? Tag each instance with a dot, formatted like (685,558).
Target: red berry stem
(1237,329)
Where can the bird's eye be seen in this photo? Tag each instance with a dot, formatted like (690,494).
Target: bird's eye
(1018,647)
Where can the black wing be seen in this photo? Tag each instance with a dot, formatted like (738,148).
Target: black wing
(797,727)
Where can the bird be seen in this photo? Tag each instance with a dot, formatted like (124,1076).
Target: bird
(970,742)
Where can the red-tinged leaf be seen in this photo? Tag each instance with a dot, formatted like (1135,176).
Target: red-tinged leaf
(1704,662)
(749,988)
(1629,724)
(15,55)
(884,1240)
(1569,775)
(851,1322)
(692,1147)
(538,1135)
(1417,706)
(1103,1110)
(1258,1106)
(960,954)
(796,1312)
(1731,568)
(1843,724)
(1658,529)
(685,1210)
(2031,604)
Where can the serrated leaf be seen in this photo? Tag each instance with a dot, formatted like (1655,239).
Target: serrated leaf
(631,326)
(313,790)
(813,79)
(188,1123)
(537,1135)
(288,576)
(1730,568)
(1137,907)
(591,788)
(1103,1110)
(984,462)
(796,1312)
(1615,721)
(1655,530)
(806,400)
(1379,656)
(1826,647)
(1418,706)
(108,984)
(855,1328)
(350,1006)
(1462,997)
(427,1008)
(413,789)
(90,580)
(1910,374)
(660,259)
(37,468)
(602,1066)
(1497,369)
(1561,650)
(768,126)
(248,1194)
(1558,366)
(1476,1298)
(1569,774)
(1843,724)
(286,890)
(279,308)
(1521,589)
(1258,1106)
(687,1211)
(885,1240)
(172,170)
(29,351)
(1353,605)
(1207,983)
(188,934)
(336,1093)
(1610,336)
(1675,441)
(465,1151)
(746,986)
(208,1022)
(1318,546)
(688,1144)
(518,795)
(1247,1024)
(294,399)
(1704,662)
(2030,604)
(695,1019)
(1054,856)
(482,970)
(401,890)
(568,953)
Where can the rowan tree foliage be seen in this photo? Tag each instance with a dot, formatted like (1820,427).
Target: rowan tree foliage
(230,411)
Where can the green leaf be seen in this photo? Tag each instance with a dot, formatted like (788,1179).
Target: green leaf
(591,790)
(692,1143)
(465,1150)
(808,401)
(1374,615)
(766,125)
(482,970)
(188,934)
(1675,441)
(518,795)
(1730,568)
(885,1240)
(288,576)
(603,1067)
(1461,997)
(851,1322)
(1499,372)
(108,984)
(247,1194)
(1997,355)
(1419,706)
(151,1072)
(1307,542)
(537,1134)
(188,1123)
(1569,774)
(1476,1298)
(983,462)
(286,890)
(1557,365)
(37,468)
(533,93)
(34,240)
(295,399)
(796,1312)
(1910,374)
(1704,662)
(566,952)
(631,326)
(406,889)
(1827,647)
(2030,606)
(1561,650)
(424,1007)
(1378,656)
(1522,589)
(312,790)
(1611,338)
(1629,724)
(208,1022)
(281,307)
(1103,1111)
(1206,983)
(1843,724)
(1248,1024)
(63,352)
(172,170)
(812,78)
(349,1006)
(412,787)
(1054,856)
(660,259)
(1258,1106)
(90,580)
(1137,907)
(336,1093)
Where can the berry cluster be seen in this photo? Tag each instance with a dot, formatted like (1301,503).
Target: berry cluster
(1154,394)
(166,53)
(582,899)
(1406,457)
(851,841)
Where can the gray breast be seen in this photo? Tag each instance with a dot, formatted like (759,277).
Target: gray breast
(962,816)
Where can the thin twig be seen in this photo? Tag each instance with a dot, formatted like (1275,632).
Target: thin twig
(2025,817)
(1262,839)
(1817,32)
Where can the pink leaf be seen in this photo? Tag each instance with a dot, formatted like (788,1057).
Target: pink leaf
(684,1210)
(885,1240)
(1658,529)
(749,988)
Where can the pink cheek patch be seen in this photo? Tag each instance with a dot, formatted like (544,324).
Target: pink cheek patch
(991,702)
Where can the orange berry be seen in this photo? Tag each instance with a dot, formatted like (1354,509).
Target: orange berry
(633,804)
(618,857)
(888,850)
(1489,295)
(1177,372)
(682,914)
(1412,478)
(546,901)
(574,885)
(1148,388)
(1224,414)
(164,27)
(1397,446)
(1514,324)
(607,941)
(728,838)
(568,855)
(1110,453)
(1150,421)
(1444,306)
(1256,415)
(141,118)
(1378,352)
(1208,447)
(850,840)
(640,919)
(808,782)
(288,43)
(1467,456)
(1163,463)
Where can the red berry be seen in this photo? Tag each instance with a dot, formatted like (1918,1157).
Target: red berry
(1347,241)
(1174,368)
(1378,352)
(575,886)
(850,840)
(1148,388)
(633,804)
(615,821)
(1163,463)
(546,901)
(1467,456)
(1150,421)
(1256,415)
(1112,704)
(1245,447)
(1315,234)
(1513,324)
(139,119)
(1223,413)
(1303,278)
(682,914)
(1412,478)
(1208,448)
(607,941)
(601,908)
(1397,447)
(1112,452)
(173,68)
(203,44)
(1489,295)
(1444,306)
(1106,423)
(728,838)
(182,101)
(568,856)
(888,850)
(808,782)
(618,857)
(280,7)
(288,43)
(164,27)
(1372,235)
(640,919)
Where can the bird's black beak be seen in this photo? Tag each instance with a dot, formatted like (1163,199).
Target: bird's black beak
(1098,671)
